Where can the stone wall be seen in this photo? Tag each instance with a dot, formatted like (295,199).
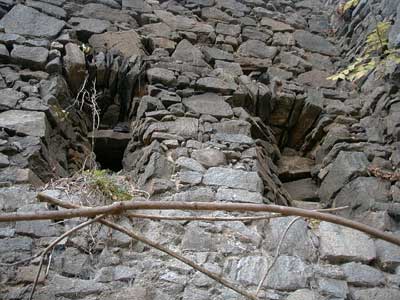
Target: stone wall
(214,100)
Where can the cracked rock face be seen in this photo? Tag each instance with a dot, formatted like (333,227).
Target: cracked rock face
(201,100)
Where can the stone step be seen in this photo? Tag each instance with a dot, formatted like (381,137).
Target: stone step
(302,190)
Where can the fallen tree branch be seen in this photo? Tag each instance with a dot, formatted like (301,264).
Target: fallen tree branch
(284,210)
(161,248)
(219,219)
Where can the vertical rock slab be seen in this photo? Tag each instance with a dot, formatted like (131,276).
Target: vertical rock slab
(75,66)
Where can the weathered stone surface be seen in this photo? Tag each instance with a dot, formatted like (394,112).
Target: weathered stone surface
(106,12)
(28,21)
(228,29)
(388,255)
(208,103)
(234,179)
(48,9)
(31,57)
(236,195)
(376,293)
(159,75)
(316,78)
(304,294)
(126,43)
(344,167)
(212,84)
(289,273)
(75,66)
(186,52)
(137,5)
(302,190)
(177,22)
(299,241)
(294,167)
(314,43)
(209,157)
(213,54)
(257,49)
(341,244)
(362,275)
(275,26)
(190,164)
(85,28)
(333,288)
(25,122)
(9,98)
(361,193)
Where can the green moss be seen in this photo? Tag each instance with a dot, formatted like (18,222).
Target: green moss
(107,185)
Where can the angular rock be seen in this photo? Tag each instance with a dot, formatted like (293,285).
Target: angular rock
(275,26)
(31,57)
(344,167)
(85,28)
(9,98)
(333,288)
(209,104)
(304,294)
(212,84)
(294,167)
(48,9)
(137,5)
(186,52)
(213,54)
(228,29)
(190,164)
(159,75)
(376,293)
(106,12)
(209,157)
(234,179)
(361,194)
(178,22)
(236,195)
(342,244)
(302,190)
(388,255)
(317,79)
(75,66)
(362,275)
(26,122)
(314,43)
(28,21)
(299,241)
(125,43)
(257,49)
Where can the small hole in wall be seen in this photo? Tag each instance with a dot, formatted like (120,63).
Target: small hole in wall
(109,147)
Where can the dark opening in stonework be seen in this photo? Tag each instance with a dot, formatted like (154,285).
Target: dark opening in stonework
(109,147)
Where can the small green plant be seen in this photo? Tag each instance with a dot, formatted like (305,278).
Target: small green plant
(375,55)
(344,7)
(61,113)
(107,185)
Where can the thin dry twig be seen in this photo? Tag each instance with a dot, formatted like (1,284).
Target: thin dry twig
(278,249)
(54,243)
